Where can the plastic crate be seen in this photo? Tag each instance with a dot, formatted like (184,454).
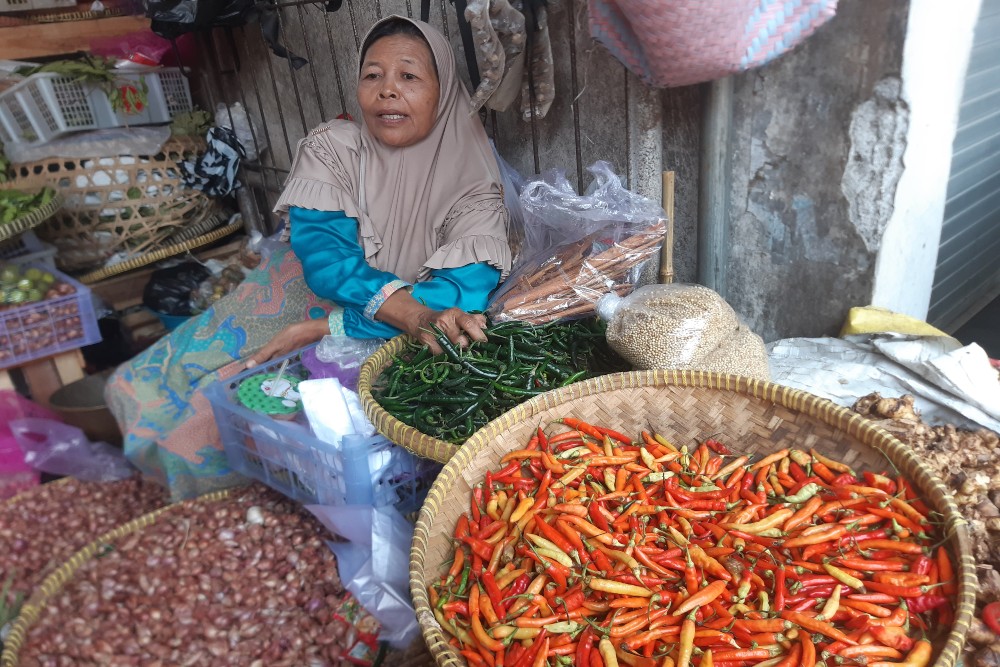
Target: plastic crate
(286,455)
(31,5)
(48,327)
(28,249)
(46,106)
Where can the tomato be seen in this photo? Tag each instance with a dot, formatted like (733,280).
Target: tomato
(991,616)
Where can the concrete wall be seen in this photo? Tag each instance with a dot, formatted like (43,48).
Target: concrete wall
(818,138)
(840,157)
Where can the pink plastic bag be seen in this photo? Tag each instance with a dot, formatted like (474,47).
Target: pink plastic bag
(15,474)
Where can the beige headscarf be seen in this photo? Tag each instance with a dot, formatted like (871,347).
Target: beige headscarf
(435,204)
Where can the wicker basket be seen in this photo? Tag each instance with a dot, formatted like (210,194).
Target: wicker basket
(750,416)
(402,434)
(116,205)
(55,581)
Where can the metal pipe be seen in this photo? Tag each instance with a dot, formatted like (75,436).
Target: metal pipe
(714,178)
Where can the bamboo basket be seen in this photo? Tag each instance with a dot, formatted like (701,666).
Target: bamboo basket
(18,226)
(402,434)
(116,205)
(749,416)
(52,584)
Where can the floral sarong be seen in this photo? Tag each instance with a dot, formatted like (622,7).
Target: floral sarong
(158,399)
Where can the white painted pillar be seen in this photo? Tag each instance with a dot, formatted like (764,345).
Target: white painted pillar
(935,57)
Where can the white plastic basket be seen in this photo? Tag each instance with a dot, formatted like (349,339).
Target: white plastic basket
(46,106)
(30,5)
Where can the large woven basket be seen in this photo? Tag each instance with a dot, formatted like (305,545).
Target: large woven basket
(402,434)
(52,584)
(121,205)
(749,416)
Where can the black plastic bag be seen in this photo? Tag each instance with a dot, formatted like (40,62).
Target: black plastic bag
(172,18)
(169,290)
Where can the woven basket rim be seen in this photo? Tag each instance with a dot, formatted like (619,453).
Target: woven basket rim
(53,583)
(799,401)
(160,254)
(404,435)
(9,230)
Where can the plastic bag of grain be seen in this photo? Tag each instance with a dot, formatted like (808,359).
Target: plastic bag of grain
(682,326)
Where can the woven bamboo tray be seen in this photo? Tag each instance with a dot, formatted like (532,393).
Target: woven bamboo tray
(161,253)
(52,584)
(9,230)
(749,416)
(403,435)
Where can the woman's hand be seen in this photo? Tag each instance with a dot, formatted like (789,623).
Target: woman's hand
(460,327)
(291,338)
(405,313)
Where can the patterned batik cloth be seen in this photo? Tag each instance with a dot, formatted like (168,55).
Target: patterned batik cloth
(158,398)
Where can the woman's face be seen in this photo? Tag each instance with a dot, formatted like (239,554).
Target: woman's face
(398,90)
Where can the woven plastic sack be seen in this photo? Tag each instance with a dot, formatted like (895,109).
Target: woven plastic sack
(682,42)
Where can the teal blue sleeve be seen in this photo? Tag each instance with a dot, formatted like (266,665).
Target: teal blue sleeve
(467,287)
(326,242)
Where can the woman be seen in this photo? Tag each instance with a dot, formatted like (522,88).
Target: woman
(399,225)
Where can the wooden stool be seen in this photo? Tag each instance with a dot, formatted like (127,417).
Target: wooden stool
(44,376)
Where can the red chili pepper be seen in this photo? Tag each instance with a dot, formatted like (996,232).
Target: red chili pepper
(717,447)
(507,471)
(844,478)
(922,565)
(488,488)
(496,598)
(477,503)
(991,616)
(542,494)
(926,603)
(779,589)
(596,517)
(584,647)
(518,586)
(482,549)
(462,527)
(796,471)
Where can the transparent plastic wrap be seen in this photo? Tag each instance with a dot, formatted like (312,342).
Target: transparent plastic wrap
(577,248)
(373,561)
(340,357)
(60,449)
(684,327)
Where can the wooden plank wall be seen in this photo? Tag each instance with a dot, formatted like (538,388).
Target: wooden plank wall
(601,111)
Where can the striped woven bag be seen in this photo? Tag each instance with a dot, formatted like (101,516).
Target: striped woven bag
(681,42)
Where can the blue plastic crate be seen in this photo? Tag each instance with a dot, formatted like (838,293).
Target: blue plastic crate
(286,456)
(45,328)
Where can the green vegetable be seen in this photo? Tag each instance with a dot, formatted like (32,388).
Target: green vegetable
(16,204)
(453,394)
(193,123)
(125,94)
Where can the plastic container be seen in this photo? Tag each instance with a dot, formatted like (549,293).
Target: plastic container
(48,327)
(46,105)
(28,249)
(30,5)
(286,455)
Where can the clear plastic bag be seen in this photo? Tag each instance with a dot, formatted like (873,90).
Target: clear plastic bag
(577,248)
(374,563)
(682,326)
(60,449)
(15,474)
